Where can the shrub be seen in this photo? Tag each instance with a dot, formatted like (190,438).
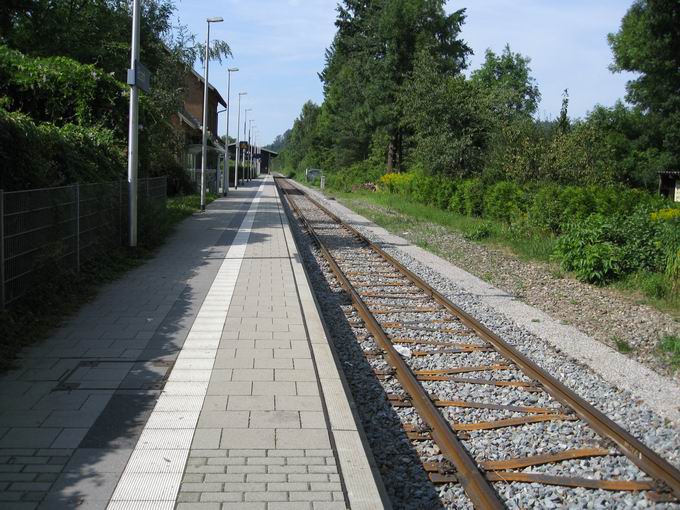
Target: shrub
(468,198)
(504,201)
(445,187)
(399,184)
(471,197)
(600,249)
(585,249)
(43,155)
(62,90)
(545,211)
(666,214)
(641,241)
(423,189)
(355,175)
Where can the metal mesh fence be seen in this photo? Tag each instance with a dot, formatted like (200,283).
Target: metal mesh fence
(61,227)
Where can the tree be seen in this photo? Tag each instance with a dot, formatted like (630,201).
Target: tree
(280,142)
(97,32)
(303,147)
(368,64)
(449,118)
(507,79)
(648,43)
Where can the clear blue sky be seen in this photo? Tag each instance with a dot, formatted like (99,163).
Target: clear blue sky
(279,47)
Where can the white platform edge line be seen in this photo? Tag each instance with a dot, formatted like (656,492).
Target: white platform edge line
(365,488)
(126,489)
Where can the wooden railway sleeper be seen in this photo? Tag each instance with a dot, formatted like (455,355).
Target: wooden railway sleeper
(642,456)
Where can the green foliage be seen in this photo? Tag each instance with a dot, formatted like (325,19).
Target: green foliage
(468,198)
(61,90)
(507,80)
(353,177)
(302,150)
(423,190)
(479,232)
(585,249)
(444,189)
(600,249)
(370,61)
(394,92)
(552,205)
(42,155)
(75,56)
(648,44)
(670,345)
(504,201)
(448,118)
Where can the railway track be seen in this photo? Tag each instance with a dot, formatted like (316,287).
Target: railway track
(436,353)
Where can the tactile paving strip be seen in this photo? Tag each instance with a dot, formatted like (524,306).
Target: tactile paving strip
(152,477)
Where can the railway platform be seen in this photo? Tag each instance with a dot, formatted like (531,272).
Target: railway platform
(202,380)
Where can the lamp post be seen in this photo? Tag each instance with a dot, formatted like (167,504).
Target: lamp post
(204,146)
(255,173)
(133,131)
(225,184)
(258,154)
(250,152)
(238,143)
(245,137)
(225,174)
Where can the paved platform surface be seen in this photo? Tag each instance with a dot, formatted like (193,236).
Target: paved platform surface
(201,380)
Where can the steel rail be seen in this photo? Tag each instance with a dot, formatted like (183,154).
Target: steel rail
(640,454)
(477,487)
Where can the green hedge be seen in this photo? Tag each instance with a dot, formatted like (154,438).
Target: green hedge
(61,90)
(605,232)
(42,155)
(355,175)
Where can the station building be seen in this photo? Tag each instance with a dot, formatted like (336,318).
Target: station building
(188,122)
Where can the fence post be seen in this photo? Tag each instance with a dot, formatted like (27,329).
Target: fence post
(77,200)
(2,249)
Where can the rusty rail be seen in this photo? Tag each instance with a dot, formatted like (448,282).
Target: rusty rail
(641,455)
(478,489)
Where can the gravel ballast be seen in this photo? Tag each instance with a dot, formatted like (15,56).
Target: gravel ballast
(606,314)
(399,462)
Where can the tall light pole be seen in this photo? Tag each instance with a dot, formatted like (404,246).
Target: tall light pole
(238,142)
(226,156)
(225,183)
(254,173)
(245,137)
(133,130)
(204,147)
(258,153)
(250,152)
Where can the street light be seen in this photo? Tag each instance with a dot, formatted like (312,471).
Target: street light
(254,161)
(204,147)
(245,137)
(238,143)
(225,184)
(250,150)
